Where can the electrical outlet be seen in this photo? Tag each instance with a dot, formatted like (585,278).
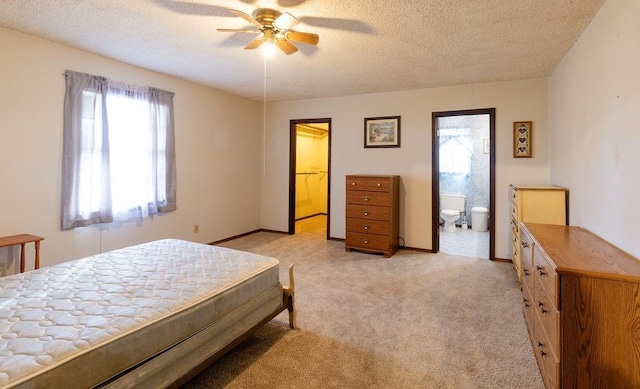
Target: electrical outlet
(196,228)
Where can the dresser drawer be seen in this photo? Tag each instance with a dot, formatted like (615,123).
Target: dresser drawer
(526,255)
(548,361)
(517,261)
(546,275)
(367,212)
(528,307)
(514,212)
(368,198)
(368,241)
(377,184)
(515,240)
(548,316)
(375,227)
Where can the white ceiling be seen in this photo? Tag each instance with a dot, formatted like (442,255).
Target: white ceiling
(366,46)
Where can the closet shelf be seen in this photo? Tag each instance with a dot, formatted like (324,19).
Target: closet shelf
(311,131)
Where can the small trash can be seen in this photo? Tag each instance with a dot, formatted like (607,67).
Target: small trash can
(479,219)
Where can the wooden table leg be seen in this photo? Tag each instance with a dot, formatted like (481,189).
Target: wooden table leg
(37,254)
(22,257)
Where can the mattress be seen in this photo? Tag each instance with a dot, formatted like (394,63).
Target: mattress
(81,322)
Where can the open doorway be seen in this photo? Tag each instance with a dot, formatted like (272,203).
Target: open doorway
(309,175)
(463,185)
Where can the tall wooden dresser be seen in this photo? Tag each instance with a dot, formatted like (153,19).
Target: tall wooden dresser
(534,204)
(581,303)
(372,214)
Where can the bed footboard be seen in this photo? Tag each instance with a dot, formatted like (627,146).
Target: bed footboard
(289,299)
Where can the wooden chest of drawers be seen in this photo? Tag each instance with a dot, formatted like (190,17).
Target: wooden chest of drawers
(372,212)
(581,299)
(534,204)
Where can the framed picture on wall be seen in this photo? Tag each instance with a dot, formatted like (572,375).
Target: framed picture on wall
(382,132)
(522,139)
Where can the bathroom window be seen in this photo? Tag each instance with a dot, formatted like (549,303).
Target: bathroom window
(455,151)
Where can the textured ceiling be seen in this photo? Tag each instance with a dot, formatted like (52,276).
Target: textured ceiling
(366,46)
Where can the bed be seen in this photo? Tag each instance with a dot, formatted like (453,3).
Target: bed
(151,315)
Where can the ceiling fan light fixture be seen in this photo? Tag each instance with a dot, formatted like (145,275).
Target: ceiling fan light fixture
(274,30)
(269,46)
(269,36)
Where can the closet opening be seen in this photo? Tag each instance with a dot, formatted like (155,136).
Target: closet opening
(309,176)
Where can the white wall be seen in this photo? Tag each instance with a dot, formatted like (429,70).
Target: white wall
(595,125)
(514,101)
(218,141)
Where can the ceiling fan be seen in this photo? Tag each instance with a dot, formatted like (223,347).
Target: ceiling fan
(274,27)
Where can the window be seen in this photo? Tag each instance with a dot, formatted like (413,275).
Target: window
(455,151)
(119,154)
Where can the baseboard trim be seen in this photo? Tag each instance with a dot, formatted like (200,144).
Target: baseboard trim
(310,216)
(429,251)
(416,249)
(246,234)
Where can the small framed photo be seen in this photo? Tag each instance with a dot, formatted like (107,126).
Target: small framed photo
(522,139)
(382,132)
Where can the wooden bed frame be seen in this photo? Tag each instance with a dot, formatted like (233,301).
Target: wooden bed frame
(162,370)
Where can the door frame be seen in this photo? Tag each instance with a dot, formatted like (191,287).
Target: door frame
(292,171)
(435,174)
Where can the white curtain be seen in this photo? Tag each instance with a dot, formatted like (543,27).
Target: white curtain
(118,152)
(456,149)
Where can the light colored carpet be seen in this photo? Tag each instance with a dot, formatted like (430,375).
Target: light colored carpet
(415,320)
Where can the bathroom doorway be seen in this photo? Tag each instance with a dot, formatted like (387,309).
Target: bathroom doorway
(309,176)
(463,144)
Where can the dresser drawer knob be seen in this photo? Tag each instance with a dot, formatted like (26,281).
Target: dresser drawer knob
(379,185)
(366,198)
(366,213)
(366,227)
(353,184)
(366,241)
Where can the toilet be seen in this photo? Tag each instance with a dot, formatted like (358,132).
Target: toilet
(450,208)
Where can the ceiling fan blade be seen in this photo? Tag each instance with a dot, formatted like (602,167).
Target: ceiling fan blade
(238,30)
(302,37)
(246,17)
(255,43)
(286,21)
(286,46)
